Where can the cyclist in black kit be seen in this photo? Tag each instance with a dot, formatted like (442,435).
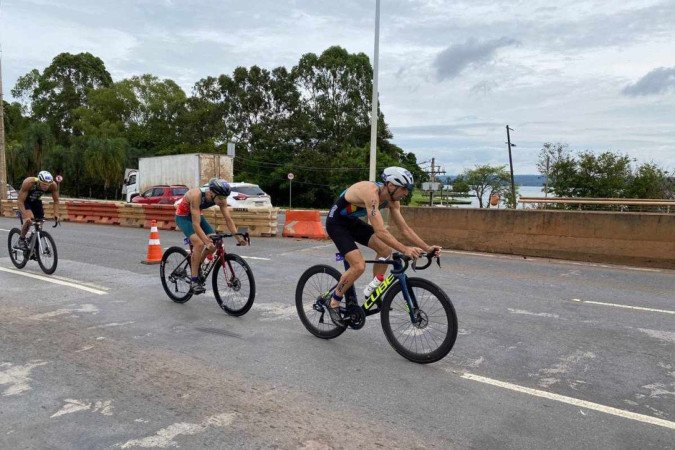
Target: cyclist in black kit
(345,228)
(30,202)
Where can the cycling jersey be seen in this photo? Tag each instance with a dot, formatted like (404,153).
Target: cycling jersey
(345,227)
(183,208)
(349,210)
(35,193)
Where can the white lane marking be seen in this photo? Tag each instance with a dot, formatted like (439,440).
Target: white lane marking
(82,283)
(164,437)
(17,376)
(69,311)
(112,324)
(54,280)
(73,406)
(667,336)
(258,258)
(528,313)
(275,311)
(2,229)
(573,401)
(638,308)
(84,349)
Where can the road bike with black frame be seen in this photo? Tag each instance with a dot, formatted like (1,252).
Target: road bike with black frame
(417,316)
(40,246)
(232,280)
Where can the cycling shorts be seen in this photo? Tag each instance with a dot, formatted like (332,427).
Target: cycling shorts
(185,225)
(346,232)
(35,206)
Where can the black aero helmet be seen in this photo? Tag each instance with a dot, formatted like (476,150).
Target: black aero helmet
(219,187)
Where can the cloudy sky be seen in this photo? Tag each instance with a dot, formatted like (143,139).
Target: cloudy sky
(597,75)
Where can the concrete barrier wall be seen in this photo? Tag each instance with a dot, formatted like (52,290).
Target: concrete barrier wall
(642,239)
(258,221)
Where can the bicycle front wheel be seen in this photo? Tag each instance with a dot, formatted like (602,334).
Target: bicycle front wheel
(314,289)
(19,257)
(174,271)
(430,336)
(47,256)
(233,285)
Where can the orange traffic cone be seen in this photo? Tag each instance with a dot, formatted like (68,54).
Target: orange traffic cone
(154,255)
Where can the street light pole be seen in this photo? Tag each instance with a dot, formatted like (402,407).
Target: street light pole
(513,185)
(373,113)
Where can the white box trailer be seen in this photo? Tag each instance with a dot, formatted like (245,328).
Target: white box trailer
(192,170)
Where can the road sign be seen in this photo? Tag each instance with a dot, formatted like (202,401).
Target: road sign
(431,186)
(59,178)
(291,176)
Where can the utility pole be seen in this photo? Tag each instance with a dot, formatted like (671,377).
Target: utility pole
(3,159)
(432,177)
(513,185)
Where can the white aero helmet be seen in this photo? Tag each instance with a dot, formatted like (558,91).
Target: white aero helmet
(45,176)
(398,176)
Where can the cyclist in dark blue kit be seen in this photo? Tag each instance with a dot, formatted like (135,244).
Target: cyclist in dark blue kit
(345,228)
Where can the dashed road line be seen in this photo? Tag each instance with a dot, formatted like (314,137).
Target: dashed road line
(615,305)
(573,401)
(54,281)
(257,257)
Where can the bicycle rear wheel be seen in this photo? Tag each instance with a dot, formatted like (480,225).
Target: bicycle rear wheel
(174,271)
(433,333)
(19,257)
(314,287)
(47,255)
(233,285)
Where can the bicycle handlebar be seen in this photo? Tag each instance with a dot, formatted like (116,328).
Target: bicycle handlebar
(218,236)
(397,256)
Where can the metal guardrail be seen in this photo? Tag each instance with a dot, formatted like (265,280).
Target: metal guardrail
(623,204)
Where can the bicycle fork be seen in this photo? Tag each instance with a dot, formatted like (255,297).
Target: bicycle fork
(418,317)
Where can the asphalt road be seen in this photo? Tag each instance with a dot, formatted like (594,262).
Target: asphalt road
(550,354)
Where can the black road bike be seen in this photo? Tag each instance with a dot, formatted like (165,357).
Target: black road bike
(232,280)
(40,246)
(417,316)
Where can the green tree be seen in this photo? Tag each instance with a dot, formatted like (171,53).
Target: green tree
(336,92)
(18,158)
(57,92)
(38,139)
(486,179)
(104,161)
(650,181)
(607,175)
(549,156)
(154,125)
(460,186)
(604,175)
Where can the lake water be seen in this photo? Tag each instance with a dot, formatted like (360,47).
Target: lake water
(523,191)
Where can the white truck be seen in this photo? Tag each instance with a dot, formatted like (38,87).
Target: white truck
(191,170)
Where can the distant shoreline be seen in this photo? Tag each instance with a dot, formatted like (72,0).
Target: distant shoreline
(520,180)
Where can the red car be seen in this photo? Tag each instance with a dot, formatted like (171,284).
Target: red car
(161,195)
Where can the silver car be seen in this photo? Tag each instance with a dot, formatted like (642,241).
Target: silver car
(246,195)
(11,193)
